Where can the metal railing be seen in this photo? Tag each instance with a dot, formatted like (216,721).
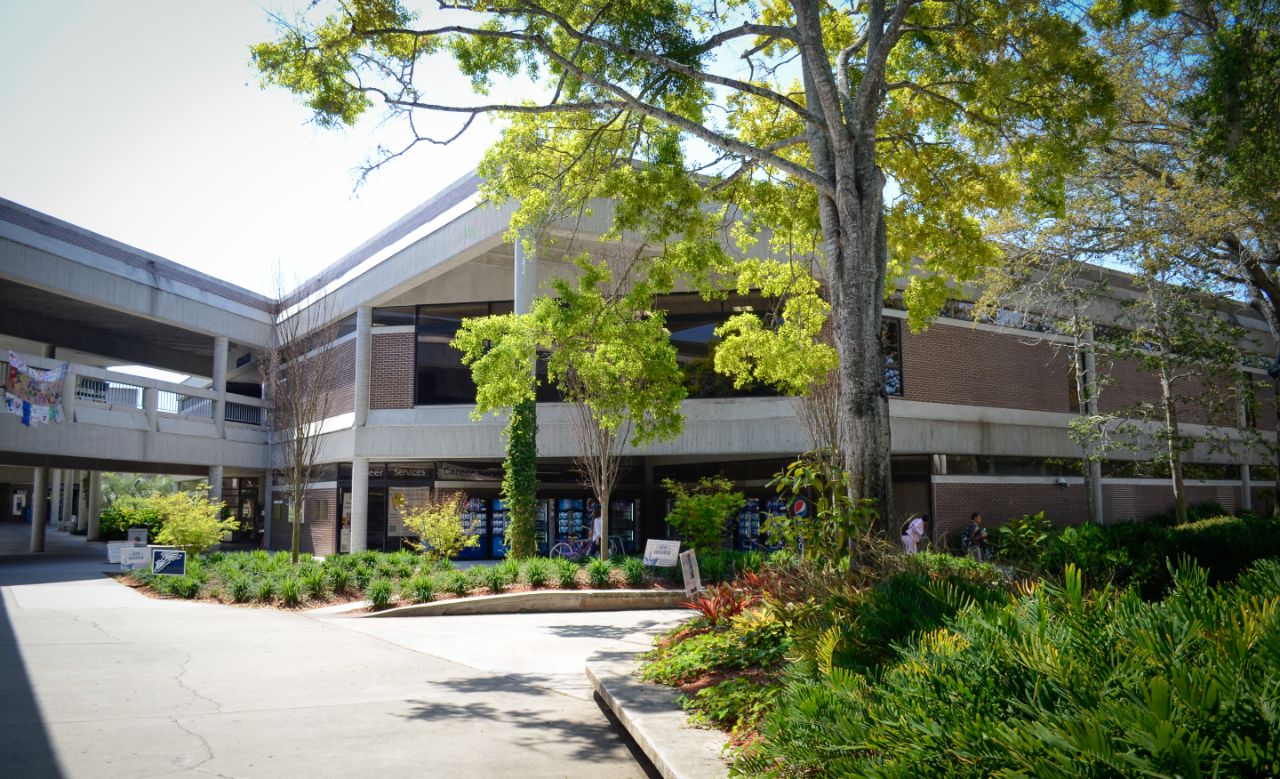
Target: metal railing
(170,402)
(244,414)
(114,393)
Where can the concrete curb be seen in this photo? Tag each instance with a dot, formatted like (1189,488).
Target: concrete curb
(659,726)
(542,601)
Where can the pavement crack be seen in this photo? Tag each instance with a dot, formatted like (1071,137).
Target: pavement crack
(204,743)
(181,682)
(90,622)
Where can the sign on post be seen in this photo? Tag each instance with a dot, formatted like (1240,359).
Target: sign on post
(661,553)
(169,562)
(692,576)
(137,536)
(134,557)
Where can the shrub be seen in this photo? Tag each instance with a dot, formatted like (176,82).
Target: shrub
(1054,683)
(438,525)
(712,567)
(1022,542)
(760,644)
(340,580)
(494,578)
(633,571)
(190,520)
(701,513)
(511,569)
(536,572)
(132,511)
(315,583)
(379,593)
(457,583)
(421,589)
(290,591)
(265,591)
(240,588)
(566,573)
(720,603)
(598,572)
(181,586)
(363,575)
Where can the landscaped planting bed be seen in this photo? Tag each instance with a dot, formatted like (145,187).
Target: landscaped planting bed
(388,579)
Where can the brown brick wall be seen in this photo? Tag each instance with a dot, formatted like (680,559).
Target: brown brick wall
(1264,395)
(391,376)
(319,532)
(342,384)
(1205,400)
(1142,501)
(960,364)
(999,503)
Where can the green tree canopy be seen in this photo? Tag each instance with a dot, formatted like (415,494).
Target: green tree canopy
(771,128)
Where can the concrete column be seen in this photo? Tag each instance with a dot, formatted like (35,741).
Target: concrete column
(525,275)
(55,494)
(215,482)
(92,530)
(268,507)
(364,364)
(151,406)
(220,383)
(82,506)
(1091,406)
(68,495)
(359,504)
(39,506)
(69,393)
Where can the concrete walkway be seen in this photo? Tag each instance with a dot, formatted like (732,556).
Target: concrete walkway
(99,681)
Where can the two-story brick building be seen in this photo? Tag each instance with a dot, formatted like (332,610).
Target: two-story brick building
(980,412)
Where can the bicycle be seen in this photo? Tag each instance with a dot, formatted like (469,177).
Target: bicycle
(572,549)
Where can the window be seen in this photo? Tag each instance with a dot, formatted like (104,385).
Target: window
(891,344)
(440,376)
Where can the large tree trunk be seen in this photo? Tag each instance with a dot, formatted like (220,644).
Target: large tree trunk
(604,524)
(857,255)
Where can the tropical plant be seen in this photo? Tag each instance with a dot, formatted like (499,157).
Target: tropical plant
(701,513)
(536,572)
(190,520)
(438,525)
(598,573)
(379,593)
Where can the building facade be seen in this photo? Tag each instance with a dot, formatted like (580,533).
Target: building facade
(980,410)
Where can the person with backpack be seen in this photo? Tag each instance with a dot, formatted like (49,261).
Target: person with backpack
(974,537)
(913,531)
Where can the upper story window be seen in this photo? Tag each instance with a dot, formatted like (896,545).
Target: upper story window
(439,375)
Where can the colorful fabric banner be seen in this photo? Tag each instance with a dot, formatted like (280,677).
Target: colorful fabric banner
(32,394)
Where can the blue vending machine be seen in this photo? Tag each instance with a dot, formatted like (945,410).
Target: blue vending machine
(475,519)
(498,528)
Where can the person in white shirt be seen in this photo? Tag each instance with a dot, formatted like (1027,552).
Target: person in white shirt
(595,530)
(913,531)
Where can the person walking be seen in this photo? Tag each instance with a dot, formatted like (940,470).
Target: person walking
(913,532)
(974,537)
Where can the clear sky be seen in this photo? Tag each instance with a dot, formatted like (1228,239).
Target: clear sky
(143,120)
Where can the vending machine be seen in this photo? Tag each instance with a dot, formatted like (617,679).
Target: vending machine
(542,525)
(749,525)
(498,528)
(475,519)
(572,520)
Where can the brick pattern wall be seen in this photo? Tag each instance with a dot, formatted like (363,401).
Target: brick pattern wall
(342,384)
(999,503)
(959,364)
(1128,385)
(1265,396)
(1143,501)
(319,532)
(391,375)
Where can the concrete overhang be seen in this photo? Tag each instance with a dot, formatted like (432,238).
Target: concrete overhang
(44,253)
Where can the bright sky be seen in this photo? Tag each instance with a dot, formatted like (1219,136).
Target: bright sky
(142,120)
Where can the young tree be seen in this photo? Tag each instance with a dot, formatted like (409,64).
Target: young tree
(785,120)
(608,352)
(300,368)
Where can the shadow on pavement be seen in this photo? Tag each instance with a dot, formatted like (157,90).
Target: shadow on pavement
(610,632)
(25,749)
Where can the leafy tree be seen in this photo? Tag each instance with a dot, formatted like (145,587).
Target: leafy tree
(116,486)
(702,511)
(191,520)
(438,525)
(608,352)
(786,121)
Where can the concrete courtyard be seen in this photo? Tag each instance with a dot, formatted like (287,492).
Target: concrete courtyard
(99,681)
